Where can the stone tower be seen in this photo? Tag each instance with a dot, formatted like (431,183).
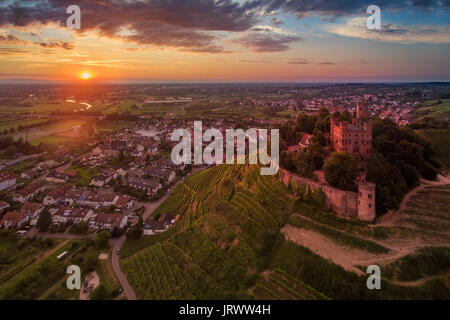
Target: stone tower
(366,201)
(362,111)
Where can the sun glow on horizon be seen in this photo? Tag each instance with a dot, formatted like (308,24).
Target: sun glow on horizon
(86,75)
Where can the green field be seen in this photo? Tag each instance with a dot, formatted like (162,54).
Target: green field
(7,125)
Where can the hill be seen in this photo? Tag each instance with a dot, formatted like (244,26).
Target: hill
(231,241)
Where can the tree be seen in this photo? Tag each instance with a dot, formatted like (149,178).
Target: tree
(390,184)
(306,123)
(44,221)
(136,231)
(345,116)
(341,170)
(101,240)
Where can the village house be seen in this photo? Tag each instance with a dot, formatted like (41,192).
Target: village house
(56,195)
(108,221)
(3,205)
(157,226)
(143,184)
(7,180)
(31,209)
(160,174)
(71,215)
(13,219)
(124,202)
(29,191)
(56,177)
(29,174)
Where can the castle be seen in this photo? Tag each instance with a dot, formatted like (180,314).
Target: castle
(355,137)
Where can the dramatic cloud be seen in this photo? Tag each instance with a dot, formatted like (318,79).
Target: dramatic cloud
(184,24)
(265,39)
(56,44)
(11,39)
(194,25)
(298,61)
(356,28)
(276,21)
(338,8)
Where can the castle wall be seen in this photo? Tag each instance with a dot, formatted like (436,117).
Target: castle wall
(344,203)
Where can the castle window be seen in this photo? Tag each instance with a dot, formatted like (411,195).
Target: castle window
(370,205)
(369,196)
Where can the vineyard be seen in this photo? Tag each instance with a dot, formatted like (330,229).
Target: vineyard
(440,138)
(226,244)
(227,216)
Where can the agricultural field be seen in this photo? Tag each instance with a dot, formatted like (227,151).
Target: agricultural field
(15,123)
(426,213)
(433,109)
(227,244)
(440,138)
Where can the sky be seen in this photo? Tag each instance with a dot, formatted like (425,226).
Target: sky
(225,41)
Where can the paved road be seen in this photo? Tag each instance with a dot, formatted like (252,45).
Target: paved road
(127,289)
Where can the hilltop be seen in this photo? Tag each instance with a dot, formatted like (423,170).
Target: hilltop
(242,235)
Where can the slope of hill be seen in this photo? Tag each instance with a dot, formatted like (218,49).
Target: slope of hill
(227,244)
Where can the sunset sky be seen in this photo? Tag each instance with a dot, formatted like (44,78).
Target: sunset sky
(225,40)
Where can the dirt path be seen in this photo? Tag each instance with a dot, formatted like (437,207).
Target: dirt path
(325,247)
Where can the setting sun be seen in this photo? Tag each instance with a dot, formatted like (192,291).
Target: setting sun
(86,75)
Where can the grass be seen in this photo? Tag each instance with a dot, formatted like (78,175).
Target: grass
(24,122)
(84,174)
(52,140)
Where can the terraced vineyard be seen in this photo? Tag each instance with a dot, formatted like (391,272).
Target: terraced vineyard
(227,244)
(440,138)
(225,215)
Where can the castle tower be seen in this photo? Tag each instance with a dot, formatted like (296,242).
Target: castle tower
(366,201)
(362,111)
